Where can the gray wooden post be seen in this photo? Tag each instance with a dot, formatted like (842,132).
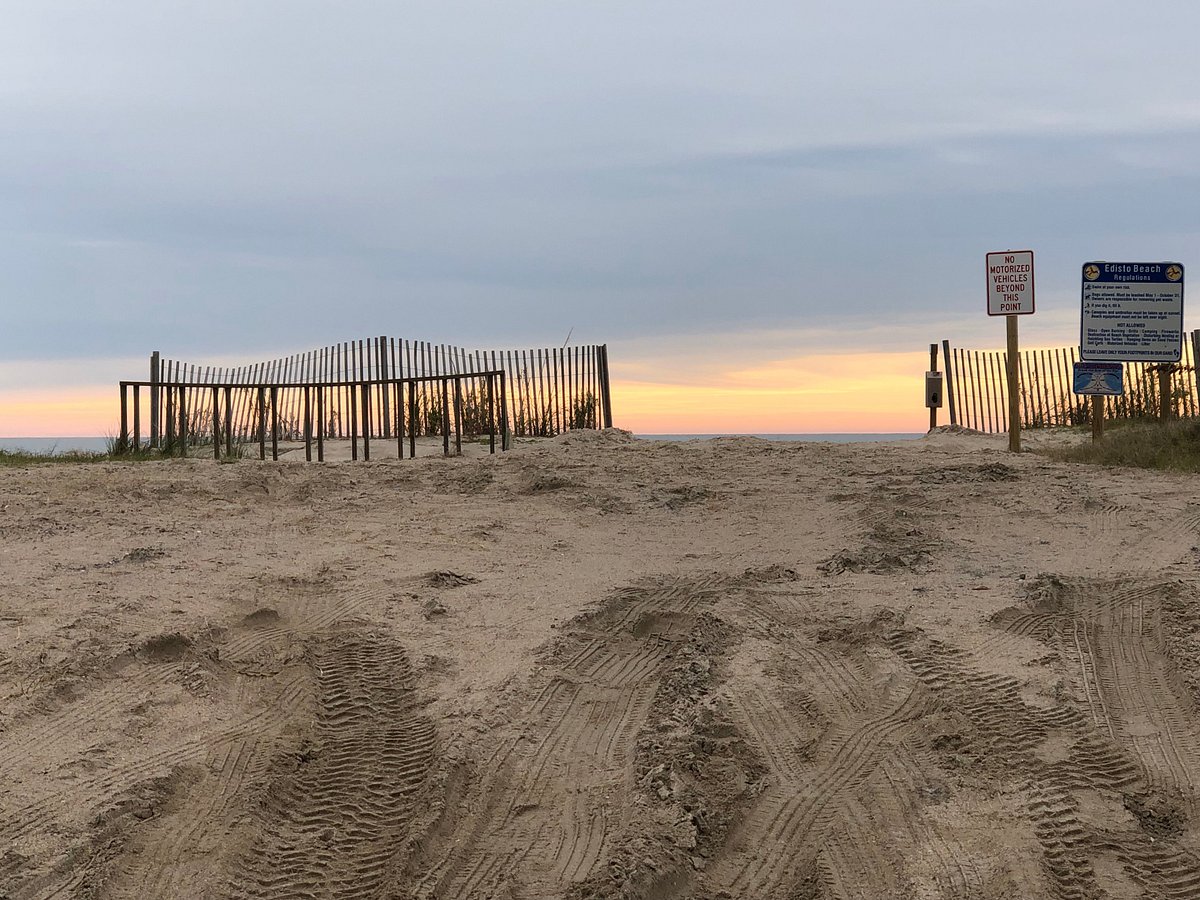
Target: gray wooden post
(605,386)
(383,386)
(123,444)
(949,366)
(1196,362)
(155,375)
(137,417)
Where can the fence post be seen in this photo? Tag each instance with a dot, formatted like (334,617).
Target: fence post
(169,431)
(274,423)
(216,413)
(445,417)
(491,390)
(383,387)
(262,422)
(307,423)
(949,365)
(320,423)
(228,421)
(458,415)
(137,417)
(605,386)
(1196,362)
(123,445)
(155,372)
(366,420)
(413,412)
(352,391)
(933,356)
(1165,403)
(183,420)
(504,439)
(398,387)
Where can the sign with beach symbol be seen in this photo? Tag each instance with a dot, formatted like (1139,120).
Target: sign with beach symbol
(1131,312)
(1099,378)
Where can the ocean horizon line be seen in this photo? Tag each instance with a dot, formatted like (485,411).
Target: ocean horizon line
(99,444)
(837,437)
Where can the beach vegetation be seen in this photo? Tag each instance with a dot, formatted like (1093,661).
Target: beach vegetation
(10,459)
(583,412)
(1140,443)
(19,458)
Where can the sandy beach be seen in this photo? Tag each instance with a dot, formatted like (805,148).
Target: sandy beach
(601,667)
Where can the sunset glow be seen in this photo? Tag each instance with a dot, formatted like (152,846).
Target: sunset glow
(846,393)
(865,392)
(80,410)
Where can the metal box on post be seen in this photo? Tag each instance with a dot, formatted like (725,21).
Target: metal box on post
(933,390)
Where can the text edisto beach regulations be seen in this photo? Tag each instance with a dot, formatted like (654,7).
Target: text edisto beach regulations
(1010,283)
(1131,312)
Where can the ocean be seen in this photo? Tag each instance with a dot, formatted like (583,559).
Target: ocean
(54,444)
(100,444)
(838,438)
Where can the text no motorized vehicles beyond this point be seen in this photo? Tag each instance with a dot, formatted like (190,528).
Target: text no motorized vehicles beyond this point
(1010,283)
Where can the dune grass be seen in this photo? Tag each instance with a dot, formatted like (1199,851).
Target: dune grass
(11,459)
(1143,444)
(18,458)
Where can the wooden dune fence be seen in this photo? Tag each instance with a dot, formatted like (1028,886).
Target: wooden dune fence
(547,391)
(229,416)
(977,388)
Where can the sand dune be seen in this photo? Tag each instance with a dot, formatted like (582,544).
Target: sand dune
(600,667)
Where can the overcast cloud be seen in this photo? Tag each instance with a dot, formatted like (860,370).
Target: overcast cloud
(215,178)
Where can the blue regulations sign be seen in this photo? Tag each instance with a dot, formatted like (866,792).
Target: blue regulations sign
(1099,378)
(1131,312)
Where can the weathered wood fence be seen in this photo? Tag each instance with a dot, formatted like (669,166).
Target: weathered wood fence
(545,391)
(977,387)
(230,416)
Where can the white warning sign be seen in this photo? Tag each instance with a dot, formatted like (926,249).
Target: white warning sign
(1010,283)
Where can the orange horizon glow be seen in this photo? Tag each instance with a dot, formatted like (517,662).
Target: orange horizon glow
(842,393)
(814,393)
(68,411)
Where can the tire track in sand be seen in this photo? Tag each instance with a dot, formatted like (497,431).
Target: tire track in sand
(776,846)
(335,817)
(1109,633)
(184,849)
(1129,740)
(552,796)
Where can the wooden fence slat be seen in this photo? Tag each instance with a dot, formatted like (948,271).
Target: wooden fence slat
(1048,388)
(1002,390)
(985,385)
(561,391)
(1035,392)
(1194,388)
(994,391)
(964,389)
(979,390)
(1064,395)
(1039,365)
(580,383)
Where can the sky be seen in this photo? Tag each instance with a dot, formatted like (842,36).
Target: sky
(768,211)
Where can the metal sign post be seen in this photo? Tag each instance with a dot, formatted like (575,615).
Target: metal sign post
(1010,294)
